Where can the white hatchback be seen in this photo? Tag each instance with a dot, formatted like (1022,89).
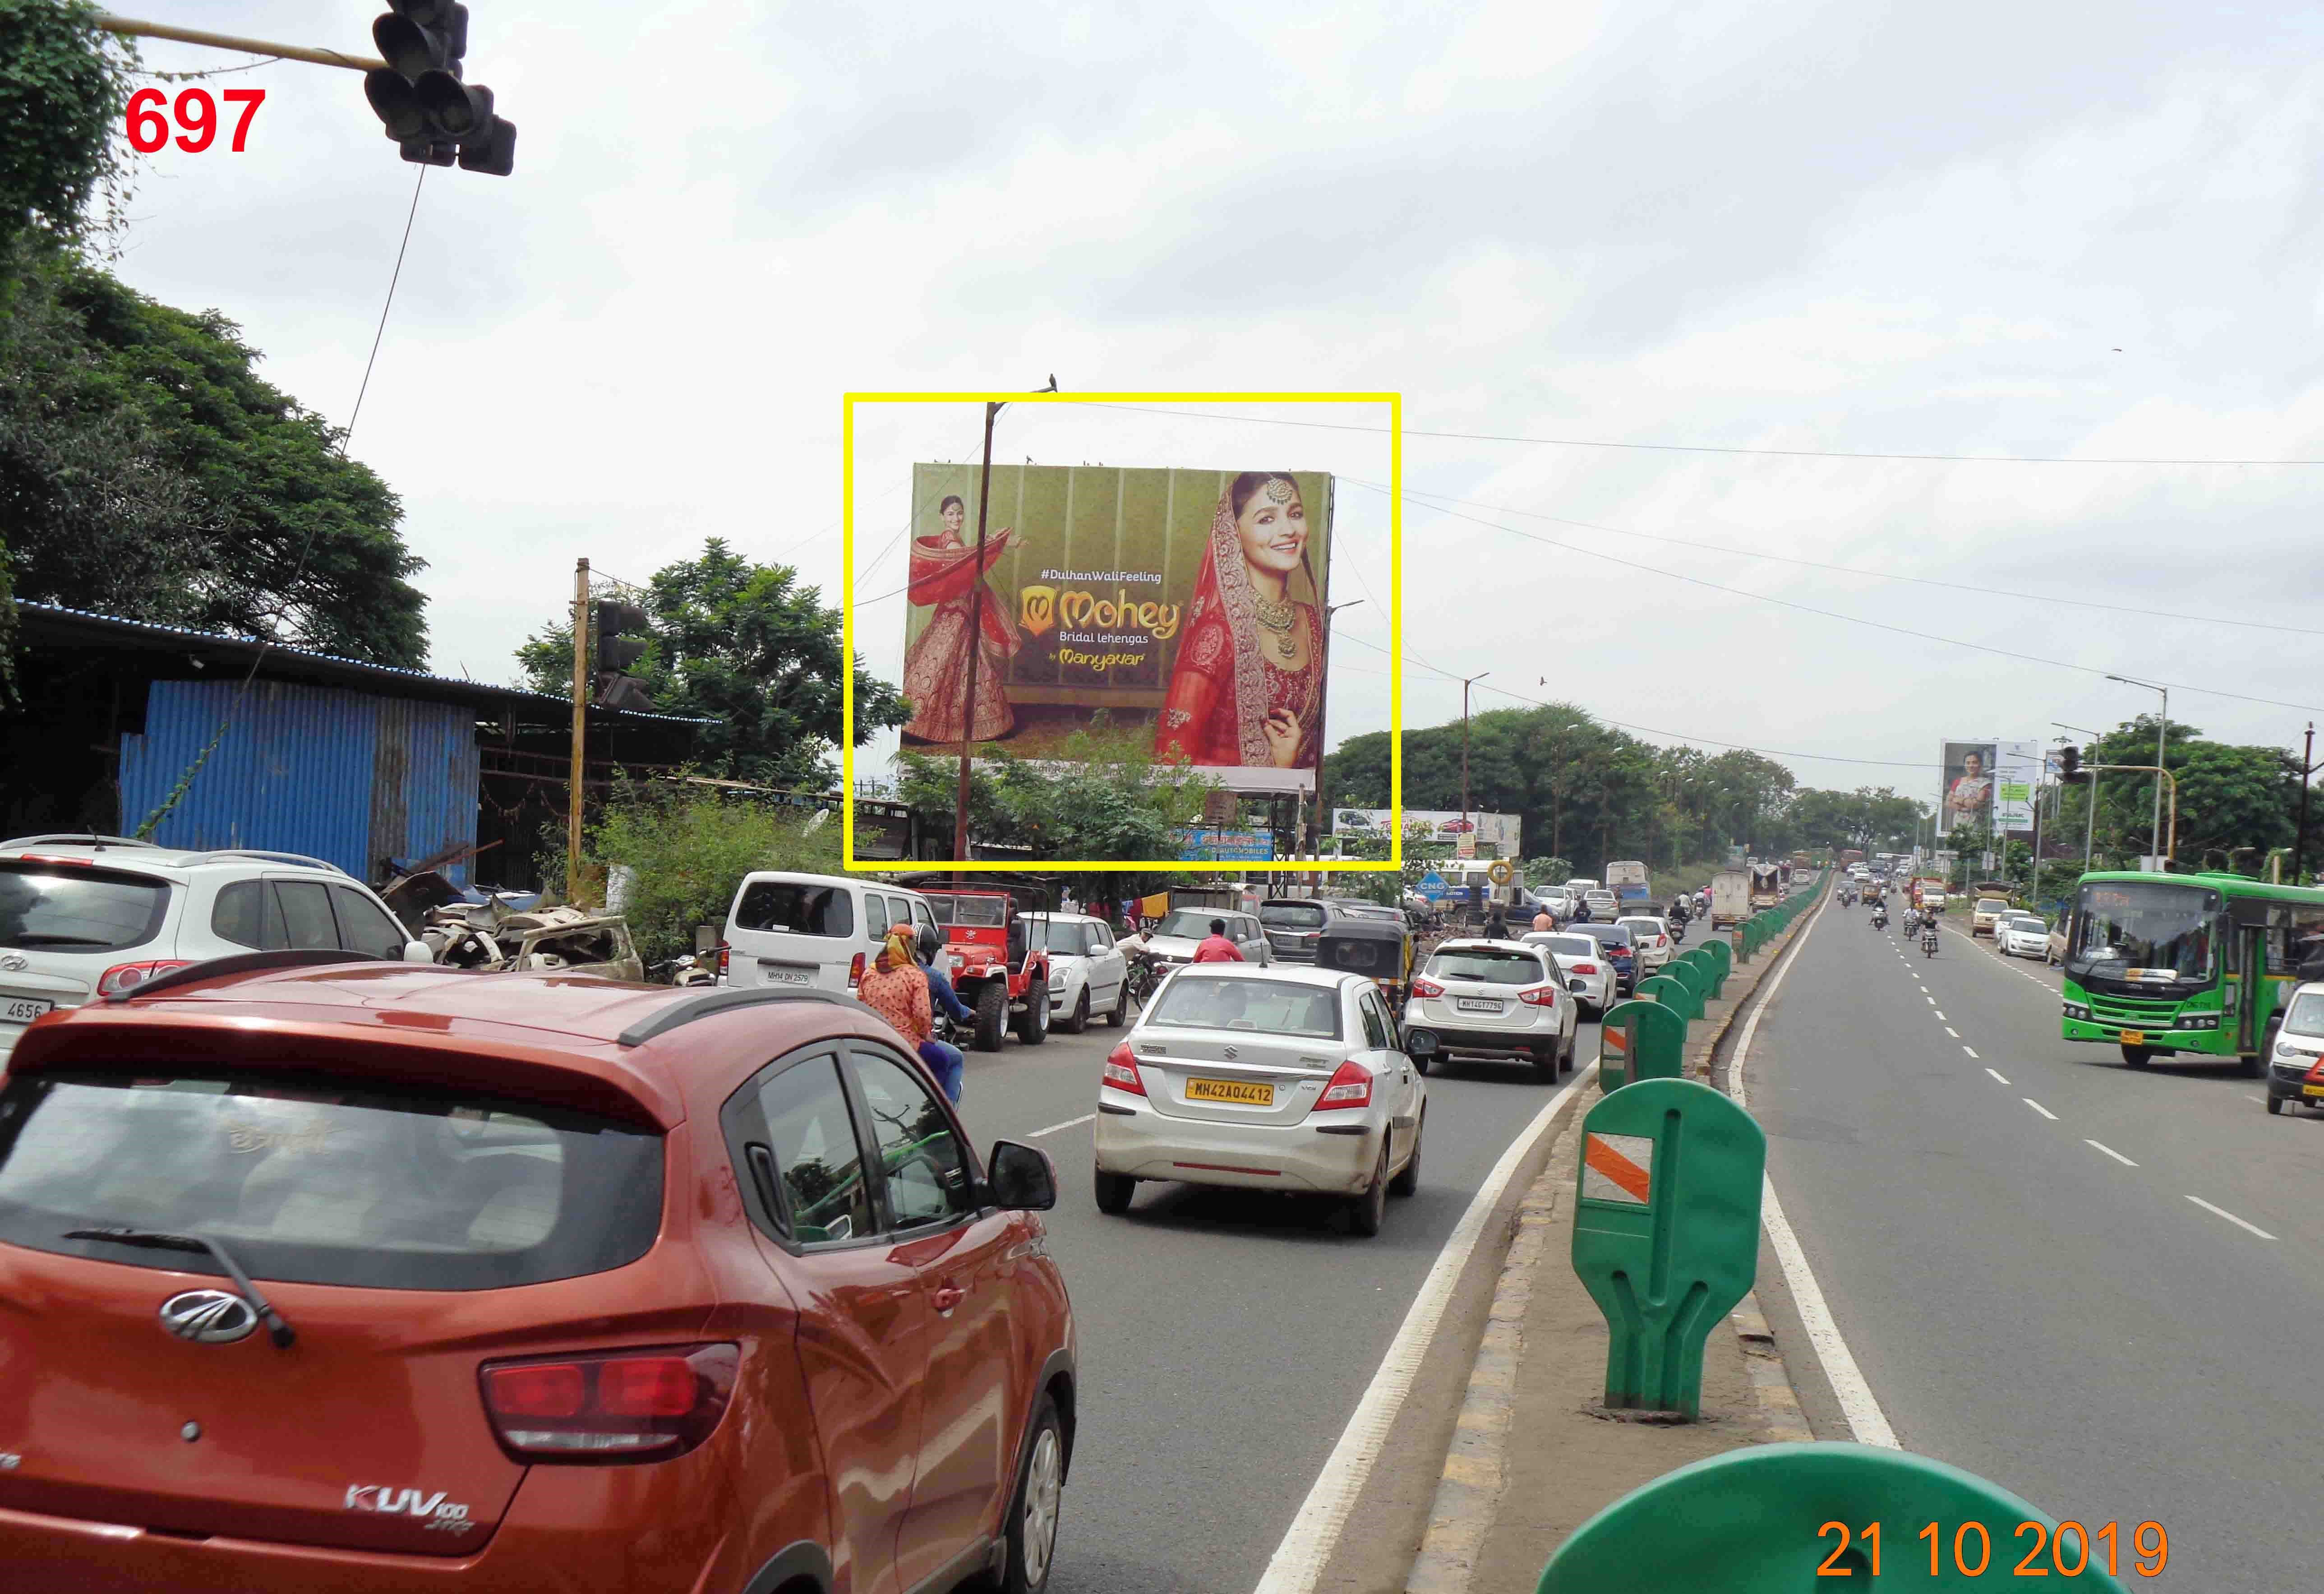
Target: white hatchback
(1286,1079)
(1650,939)
(2022,935)
(1088,974)
(83,917)
(1503,998)
(1588,975)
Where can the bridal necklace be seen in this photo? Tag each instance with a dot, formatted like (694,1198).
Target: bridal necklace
(1277,617)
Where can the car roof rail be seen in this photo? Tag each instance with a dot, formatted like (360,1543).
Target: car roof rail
(79,838)
(239,963)
(273,857)
(707,1003)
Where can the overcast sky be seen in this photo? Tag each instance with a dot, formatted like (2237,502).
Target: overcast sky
(2062,230)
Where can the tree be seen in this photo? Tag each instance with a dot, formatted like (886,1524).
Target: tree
(64,83)
(745,647)
(689,850)
(147,470)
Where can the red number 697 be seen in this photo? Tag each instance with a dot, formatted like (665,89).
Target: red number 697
(196,112)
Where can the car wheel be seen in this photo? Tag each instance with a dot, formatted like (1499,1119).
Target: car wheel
(1040,1501)
(1034,1027)
(1121,1013)
(1113,1192)
(1573,1044)
(1075,1022)
(1408,1181)
(1544,1063)
(2274,1104)
(1422,1063)
(2137,1056)
(991,1014)
(1368,1210)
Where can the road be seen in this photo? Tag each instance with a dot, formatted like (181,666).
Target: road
(1225,1337)
(2087,1283)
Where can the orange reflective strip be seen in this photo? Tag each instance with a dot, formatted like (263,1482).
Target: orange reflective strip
(1617,1170)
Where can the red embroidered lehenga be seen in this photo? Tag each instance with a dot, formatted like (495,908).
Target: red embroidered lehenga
(1224,685)
(935,669)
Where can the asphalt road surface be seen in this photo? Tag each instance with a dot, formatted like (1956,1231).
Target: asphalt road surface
(2091,1285)
(1225,1337)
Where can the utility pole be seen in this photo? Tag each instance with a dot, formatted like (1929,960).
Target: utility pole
(580,728)
(2299,836)
(2090,793)
(1465,685)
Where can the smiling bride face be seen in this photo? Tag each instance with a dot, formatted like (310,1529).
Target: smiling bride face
(1270,522)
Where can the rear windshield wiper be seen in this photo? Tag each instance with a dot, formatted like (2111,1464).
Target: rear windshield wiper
(159,1239)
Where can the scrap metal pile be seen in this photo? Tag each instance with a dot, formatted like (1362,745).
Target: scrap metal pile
(491,934)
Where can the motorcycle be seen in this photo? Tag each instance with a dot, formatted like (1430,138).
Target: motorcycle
(685,971)
(1929,941)
(1678,932)
(1880,919)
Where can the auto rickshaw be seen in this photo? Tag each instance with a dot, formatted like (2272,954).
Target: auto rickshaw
(1378,948)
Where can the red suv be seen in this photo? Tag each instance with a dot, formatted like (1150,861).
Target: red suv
(321,1272)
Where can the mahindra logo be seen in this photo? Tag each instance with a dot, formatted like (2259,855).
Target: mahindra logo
(208,1317)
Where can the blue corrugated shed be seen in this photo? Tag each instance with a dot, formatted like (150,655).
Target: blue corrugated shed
(349,777)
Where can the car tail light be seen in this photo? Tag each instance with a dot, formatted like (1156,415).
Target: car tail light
(1585,969)
(1426,987)
(726,953)
(125,978)
(855,972)
(42,858)
(1351,1087)
(1538,996)
(625,1405)
(1121,1071)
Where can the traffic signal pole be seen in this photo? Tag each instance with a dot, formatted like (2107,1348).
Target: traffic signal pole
(580,728)
(131,28)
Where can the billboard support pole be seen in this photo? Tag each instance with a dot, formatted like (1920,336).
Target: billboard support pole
(975,647)
(580,728)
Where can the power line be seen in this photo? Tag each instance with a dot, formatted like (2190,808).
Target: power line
(1578,442)
(1435,500)
(1650,730)
(1807,608)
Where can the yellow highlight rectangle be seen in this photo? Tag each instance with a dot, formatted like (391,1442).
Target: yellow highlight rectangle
(1395,861)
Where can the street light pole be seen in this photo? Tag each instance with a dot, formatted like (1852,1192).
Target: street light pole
(2090,797)
(1465,685)
(2162,742)
(2300,834)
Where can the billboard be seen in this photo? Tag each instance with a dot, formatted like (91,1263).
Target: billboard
(1494,835)
(1967,779)
(1190,603)
(2018,772)
(1211,844)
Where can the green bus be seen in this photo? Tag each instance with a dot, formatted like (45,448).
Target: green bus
(2162,964)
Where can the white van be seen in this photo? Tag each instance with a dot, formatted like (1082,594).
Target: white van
(816,930)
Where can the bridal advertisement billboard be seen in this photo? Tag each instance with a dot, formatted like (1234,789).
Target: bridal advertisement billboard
(1187,604)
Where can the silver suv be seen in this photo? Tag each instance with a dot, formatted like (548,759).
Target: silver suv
(86,916)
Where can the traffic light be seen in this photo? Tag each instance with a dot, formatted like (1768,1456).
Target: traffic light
(421,99)
(2069,764)
(619,644)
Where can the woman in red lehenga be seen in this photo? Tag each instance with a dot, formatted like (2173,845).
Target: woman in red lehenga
(946,573)
(1250,677)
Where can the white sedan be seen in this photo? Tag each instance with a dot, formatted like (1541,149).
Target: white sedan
(1284,1078)
(1588,975)
(2022,935)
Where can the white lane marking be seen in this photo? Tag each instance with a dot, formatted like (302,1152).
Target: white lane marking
(1952,1032)
(1314,1531)
(1932,1001)
(1068,1124)
(1996,1073)
(2038,1108)
(2110,1151)
(2261,1099)
(2231,1217)
(1970,1049)
(1865,1420)
(1940,1015)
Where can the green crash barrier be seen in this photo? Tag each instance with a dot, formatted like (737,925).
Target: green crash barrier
(1688,970)
(1780,1518)
(1665,1235)
(1718,951)
(1673,994)
(1639,1040)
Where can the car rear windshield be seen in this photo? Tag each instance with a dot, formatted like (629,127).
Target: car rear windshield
(1291,916)
(1611,935)
(1377,958)
(1279,1008)
(1566,945)
(1492,967)
(71,908)
(796,907)
(315,1182)
(973,913)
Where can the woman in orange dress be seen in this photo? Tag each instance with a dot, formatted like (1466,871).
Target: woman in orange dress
(947,574)
(1249,686)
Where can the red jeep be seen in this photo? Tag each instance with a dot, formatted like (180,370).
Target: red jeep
(997,966)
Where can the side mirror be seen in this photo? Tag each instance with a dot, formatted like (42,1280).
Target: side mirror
(416,951)
(1019,1178)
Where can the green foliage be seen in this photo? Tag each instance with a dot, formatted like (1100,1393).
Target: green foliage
(746,647)
(2234,802)
(1099,796)
(64,84)
(147,470)
(690,849)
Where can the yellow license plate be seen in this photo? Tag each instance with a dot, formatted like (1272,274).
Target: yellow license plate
(1242,1092)
(2311,1089)
(2134,1037)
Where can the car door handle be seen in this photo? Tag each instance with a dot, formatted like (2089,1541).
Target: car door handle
(946,1297)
